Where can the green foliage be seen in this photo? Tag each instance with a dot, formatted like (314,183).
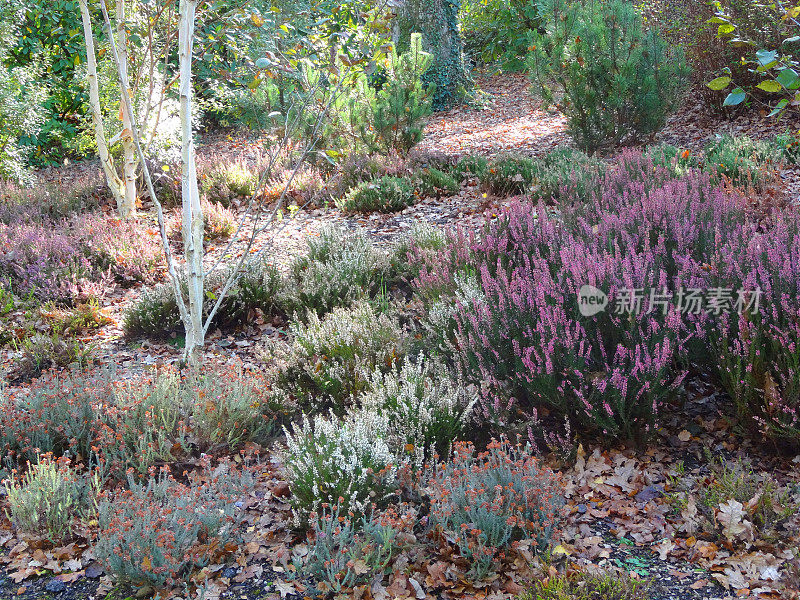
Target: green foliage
(565,167)
(330,360)
(349,112)
(437,22)
(258,287)
(742,160)
(47,499)
(509,175)
(789,145)
(499,30)
(387,194)
(339,268)
(41,352)
(615,82)
(771,35)
(470,165)
(584,586)
(435,183)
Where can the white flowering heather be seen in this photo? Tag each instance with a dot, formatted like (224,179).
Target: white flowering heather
(425,410)
(440,321)
(329,460)
(331,359)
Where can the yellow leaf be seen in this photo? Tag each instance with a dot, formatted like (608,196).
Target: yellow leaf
(561,550)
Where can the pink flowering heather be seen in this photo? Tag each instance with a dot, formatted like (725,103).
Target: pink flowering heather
(524,339)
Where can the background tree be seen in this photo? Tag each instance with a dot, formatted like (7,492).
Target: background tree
(437,21)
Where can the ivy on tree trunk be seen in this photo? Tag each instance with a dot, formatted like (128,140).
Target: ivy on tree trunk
(437,21)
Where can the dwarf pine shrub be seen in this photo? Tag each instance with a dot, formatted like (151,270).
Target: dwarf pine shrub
(615,81)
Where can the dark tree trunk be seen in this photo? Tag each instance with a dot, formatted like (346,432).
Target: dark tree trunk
(437,21)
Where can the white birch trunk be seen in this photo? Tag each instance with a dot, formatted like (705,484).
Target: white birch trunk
(192,212)
(115,184)
(128,208)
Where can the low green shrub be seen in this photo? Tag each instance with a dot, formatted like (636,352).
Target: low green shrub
(466,506)
(335,462)
(339,268)
(509,175)
(742,160)
(356,169)
(224,183)
(565,168)
(48,499)
(386,194)
(258,288)
(789,145)
(42,352)
(585,586)
(469,166)
(432,182)
(330,360)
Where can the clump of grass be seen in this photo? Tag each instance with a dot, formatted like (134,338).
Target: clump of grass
(586,586)
(435,183)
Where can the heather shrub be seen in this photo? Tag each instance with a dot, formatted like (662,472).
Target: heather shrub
(347,551)
(742,160)
(664,156)
(470,165)
(45,203)
(41,262)
(339,268)
(434,183)
(386,194)
(126,249)
(153,532)
(331,359)
(518,330)
(218,222)
(789,146)
(509,175)
(425,408)
(338,462)
(84,317)
(42,352)
(756,351)
(360,168)
(257,288)
(485,503)
(565,168)
(225,182)
(579,585)
(421,239)
(614,80)
(48,498)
